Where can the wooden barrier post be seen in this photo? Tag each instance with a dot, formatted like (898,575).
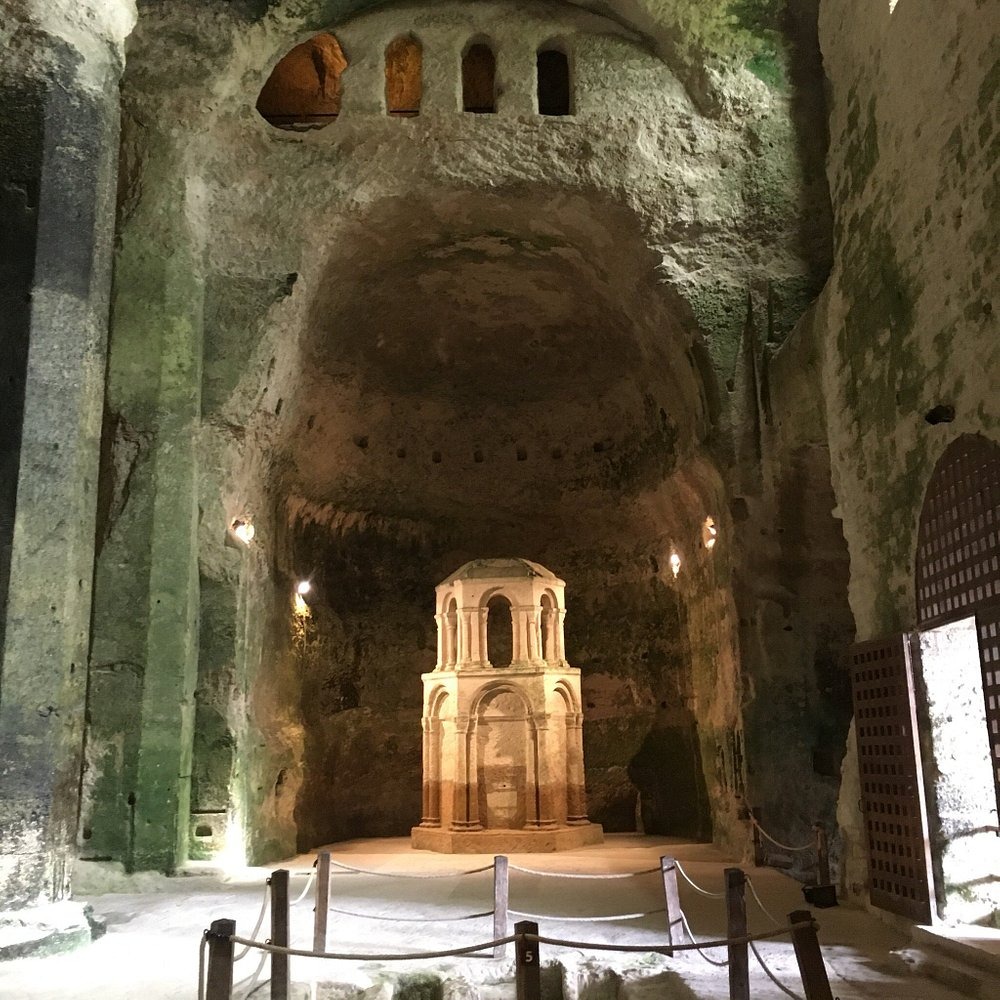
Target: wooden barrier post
(280,980)
(671,903)
(501,899)
(810,958)
(736,927)
(822,855)
(219,981)
(322,909)
(528,974)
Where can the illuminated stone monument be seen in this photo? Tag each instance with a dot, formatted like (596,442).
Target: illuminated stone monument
(503,725)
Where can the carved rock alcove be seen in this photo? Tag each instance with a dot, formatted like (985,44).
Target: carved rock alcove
(502,722)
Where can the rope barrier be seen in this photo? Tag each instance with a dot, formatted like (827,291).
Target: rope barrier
(201,966)
(541,939)
(411,920)
(308,885)
(611,875)
(253,977)
(587,920)
(692,939)
(694,885)
(368,871)
(777,843)
(767,913)
(260,920)
(770,975)
(357,957)
(665,948)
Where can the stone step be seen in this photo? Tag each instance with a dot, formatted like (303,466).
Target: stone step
(966,970)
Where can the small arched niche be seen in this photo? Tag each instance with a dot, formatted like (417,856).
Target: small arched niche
(479,70)
(404,58)
(499,632)
(304,89)
(548,626)
(555,97)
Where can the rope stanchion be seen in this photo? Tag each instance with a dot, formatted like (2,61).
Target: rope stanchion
(586,920)
(305,891)
(201,965)
(665,948)
(260,921)
(767,913)
(791,928)
(610,875)
(411,920)
(253,978)
(770,975)
(720,962)
(694,885)
(369,871)
(777,843)
(361,957)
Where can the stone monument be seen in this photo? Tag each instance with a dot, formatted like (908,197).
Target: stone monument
(502,722)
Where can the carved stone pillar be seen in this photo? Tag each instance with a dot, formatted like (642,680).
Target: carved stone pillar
(464,789)
(576,794)
(550,776)
(431,789)
(442,631)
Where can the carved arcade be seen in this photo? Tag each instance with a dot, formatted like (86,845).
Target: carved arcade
(502,723)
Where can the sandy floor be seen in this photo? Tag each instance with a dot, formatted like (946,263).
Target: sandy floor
(150,951)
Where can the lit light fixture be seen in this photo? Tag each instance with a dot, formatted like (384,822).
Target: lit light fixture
(303,587)
(675,563)
(709,533)
(243,529)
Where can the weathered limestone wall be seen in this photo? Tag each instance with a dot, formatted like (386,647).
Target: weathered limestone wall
(501,334)
(58,142)
(909,313)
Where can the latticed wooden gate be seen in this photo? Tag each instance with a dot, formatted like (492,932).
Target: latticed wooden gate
(892,789)
(958,559)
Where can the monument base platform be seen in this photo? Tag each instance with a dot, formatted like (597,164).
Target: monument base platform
(560,838)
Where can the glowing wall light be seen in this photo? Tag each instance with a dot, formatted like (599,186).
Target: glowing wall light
(709,533)
(303,587)
(243,529)
(675,563)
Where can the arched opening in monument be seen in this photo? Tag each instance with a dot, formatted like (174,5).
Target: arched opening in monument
(403,76)
(505,761)
(554,88)
(479,67)
(547,623)
(304,88)
(499,632)
(479,322)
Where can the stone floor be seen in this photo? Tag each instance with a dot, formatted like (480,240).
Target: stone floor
(154,926)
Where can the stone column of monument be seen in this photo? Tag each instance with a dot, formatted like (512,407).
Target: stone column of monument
(576,793)
(59,128)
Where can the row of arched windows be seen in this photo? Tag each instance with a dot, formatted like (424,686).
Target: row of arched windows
(305,86)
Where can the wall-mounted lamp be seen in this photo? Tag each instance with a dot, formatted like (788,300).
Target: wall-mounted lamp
(709,533)
(675,563)
(243,529)
(303,587)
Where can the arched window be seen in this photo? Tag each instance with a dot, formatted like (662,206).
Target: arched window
(499,632)
(479,70)
(548,627)
(450,651)
(553,82)
(303,90)
(404,58)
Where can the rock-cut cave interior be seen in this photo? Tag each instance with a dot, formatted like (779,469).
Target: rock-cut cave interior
(387,385)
